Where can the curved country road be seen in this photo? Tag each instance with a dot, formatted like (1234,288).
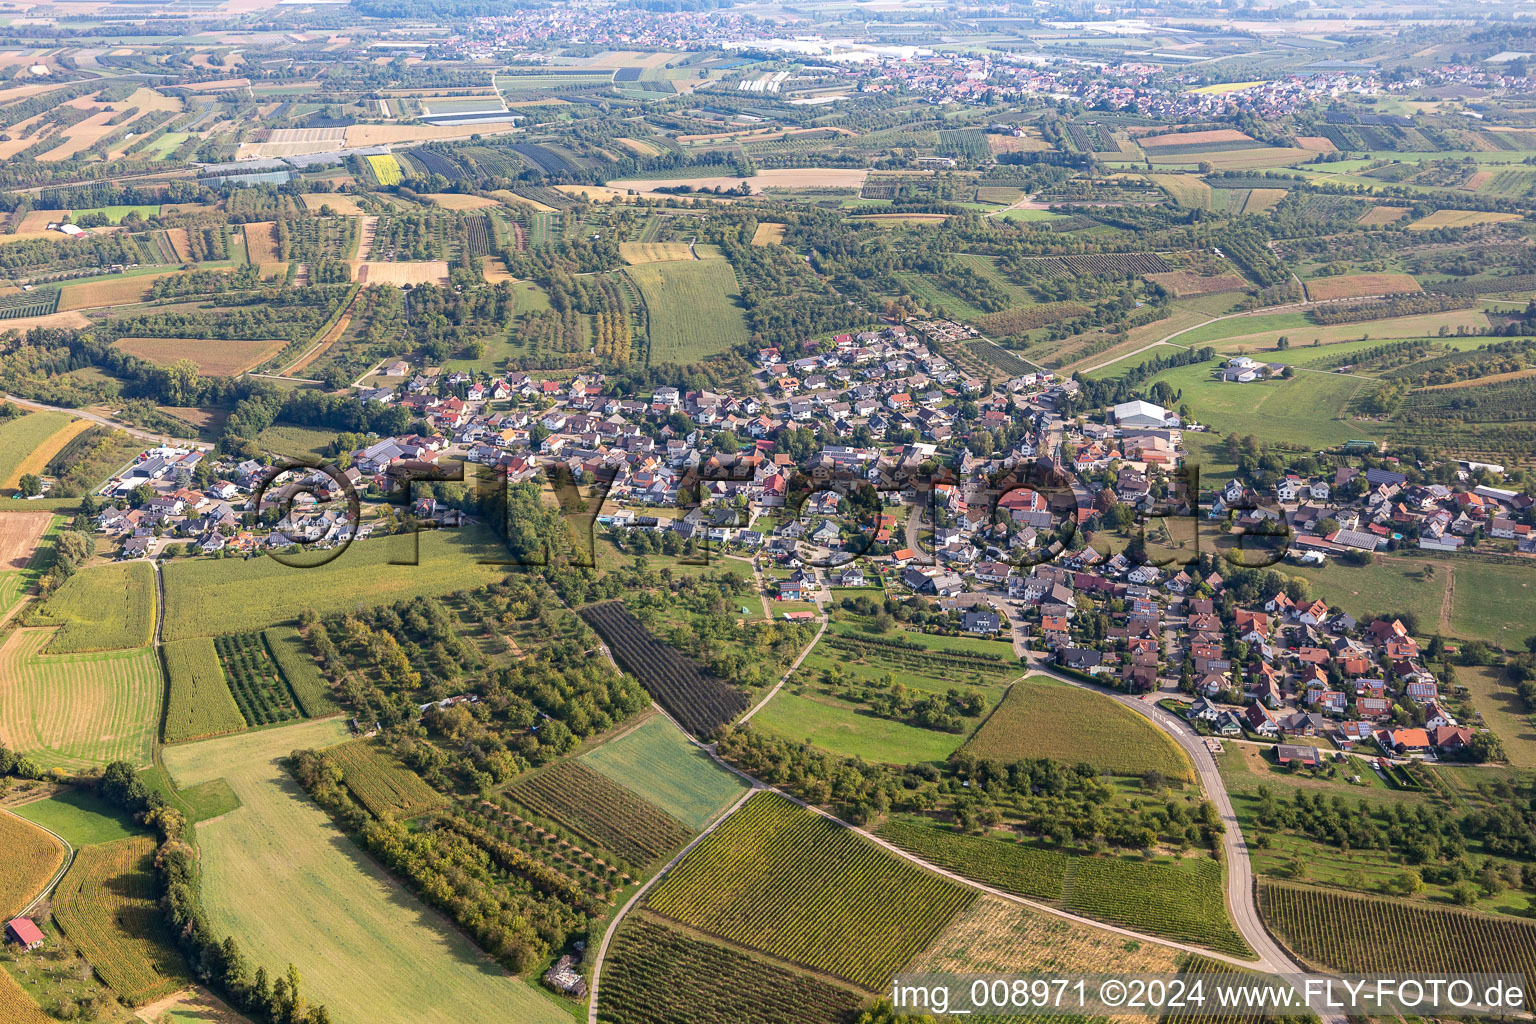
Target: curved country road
(107,421)
(58,876)
(1272,958)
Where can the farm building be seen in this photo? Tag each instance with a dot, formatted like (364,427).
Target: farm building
(1143,414)
(24,933)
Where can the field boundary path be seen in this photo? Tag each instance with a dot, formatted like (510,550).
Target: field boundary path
(333,331)
(1241,888)
(1272,957)
(107,421)
(58,876)
(613,926)
(1168,339)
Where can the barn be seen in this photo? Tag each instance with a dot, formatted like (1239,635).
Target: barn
(24,933)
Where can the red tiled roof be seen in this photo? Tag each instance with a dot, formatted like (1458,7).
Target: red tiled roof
(24,931)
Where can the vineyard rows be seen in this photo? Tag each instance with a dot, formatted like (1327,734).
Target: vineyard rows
(259,689)
(697,699)
(786,881)
(477,239)
(657,974)
(601,810)
(1360,934)
(553,849)
(1186,902)
(1000,358)
(1018,319)
(1111,263)
(1022,870)
(40,302)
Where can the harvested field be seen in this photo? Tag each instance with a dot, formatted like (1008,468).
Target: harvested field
(63,321)
(1460,219)
(359,135)
(495,271)
(21,434)
(179,243)
(260,243)
(457,201)
(1185,189)
(1181,283)
(768,233)
(1477,181)
(38,458)
(38,221)
(1215,135)
(638,147)
(399,274)
(340,203)
(795,178)
(214,357)
(1354,286)
(1262,200)
(97,294)
(636,253)
(995,935)
(1316,143)
(20,533)
(1378,216)
(1016,144)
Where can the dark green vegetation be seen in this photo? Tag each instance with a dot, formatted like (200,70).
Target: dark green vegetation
(260,690)
(697,699)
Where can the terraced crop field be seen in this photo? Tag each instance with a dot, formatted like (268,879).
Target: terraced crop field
(784,880)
